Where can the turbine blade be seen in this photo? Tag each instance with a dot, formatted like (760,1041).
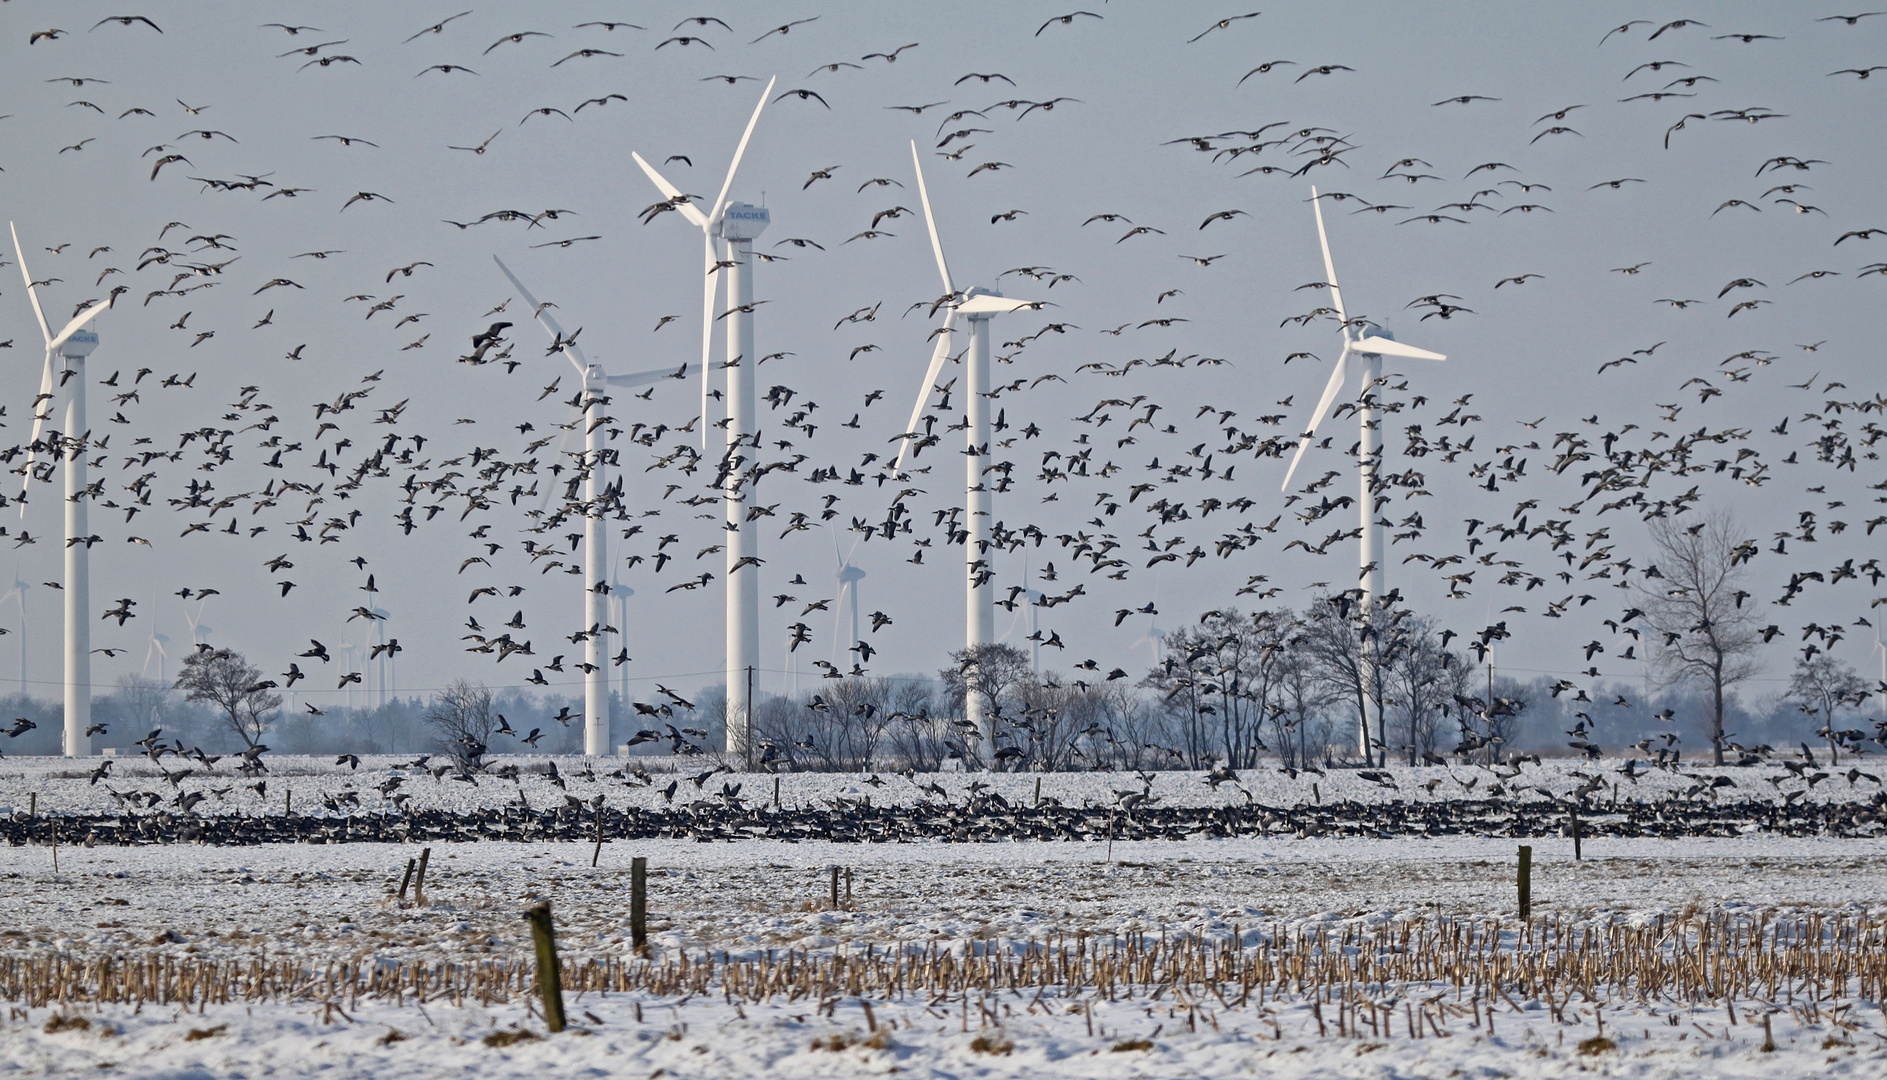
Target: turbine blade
(572,353)
(73,327)
(1330,268)
(45,332)
(734,166)
(44,401)
(937,357)
(569,445)
(640,378)
(1331,389)
(709,287)
(936,245)
(1383,346)
(687,209)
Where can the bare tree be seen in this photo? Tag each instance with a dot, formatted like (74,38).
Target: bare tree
(1422,682)
(229,683)
(1301,730)
(463,710)
(143,700)
(1693,599)
(1216,681)
(1821,685)
(993,673)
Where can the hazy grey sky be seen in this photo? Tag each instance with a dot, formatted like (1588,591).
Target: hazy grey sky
(1526,353)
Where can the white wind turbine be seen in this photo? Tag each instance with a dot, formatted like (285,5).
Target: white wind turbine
(156,646)
(727,234)
(1031,601)
(198,632)
(1880,647)
(848,575)
(978,305)
(597,492)
(18,594)
(72,344)
(619,595)
(1368,343)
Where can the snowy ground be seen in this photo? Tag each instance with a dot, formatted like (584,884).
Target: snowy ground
(709,1040)
(332,902)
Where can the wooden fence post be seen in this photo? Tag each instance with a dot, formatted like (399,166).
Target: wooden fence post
(407,878)
(639,904)
(419,881)
(1526,882)
(835,888)
(598,853)
(549,978)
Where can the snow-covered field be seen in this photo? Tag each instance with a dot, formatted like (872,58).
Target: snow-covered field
(322,904)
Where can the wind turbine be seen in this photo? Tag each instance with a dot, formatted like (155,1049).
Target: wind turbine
(18,593)
(1880,647)
(597,497)
(380,674)
(71,344)
(848,576)
(1031,599)
(978,305)
(732,228)
(198,632)
(156,647)
(1368,343)
(619,595)
(1155,637)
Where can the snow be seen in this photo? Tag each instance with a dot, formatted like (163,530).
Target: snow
(328,903)
(708,1039)
(321,903)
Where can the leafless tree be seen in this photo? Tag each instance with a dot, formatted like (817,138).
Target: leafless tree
(463,710)
(227,681)
(1822,685)
(1422,686)
(1356,656)
(142,700)
(1216,681)
(1300,724)
(993,673)
(1694,603)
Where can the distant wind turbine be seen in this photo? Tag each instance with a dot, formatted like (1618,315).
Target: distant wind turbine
(72,345)
(1368,343)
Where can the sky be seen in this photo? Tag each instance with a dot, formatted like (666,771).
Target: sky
(1695,209)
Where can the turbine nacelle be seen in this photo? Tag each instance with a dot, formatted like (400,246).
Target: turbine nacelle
(79,345)
(987,302)
(742,221)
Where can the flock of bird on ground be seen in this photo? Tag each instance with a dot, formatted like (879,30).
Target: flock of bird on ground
(1172,507)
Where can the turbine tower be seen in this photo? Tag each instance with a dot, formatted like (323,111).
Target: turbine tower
(619,595)
(1368,343)
(598,496)
(978,305)
(728,231)
(72,345)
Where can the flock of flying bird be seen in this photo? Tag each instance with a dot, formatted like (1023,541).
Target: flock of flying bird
(360,449)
